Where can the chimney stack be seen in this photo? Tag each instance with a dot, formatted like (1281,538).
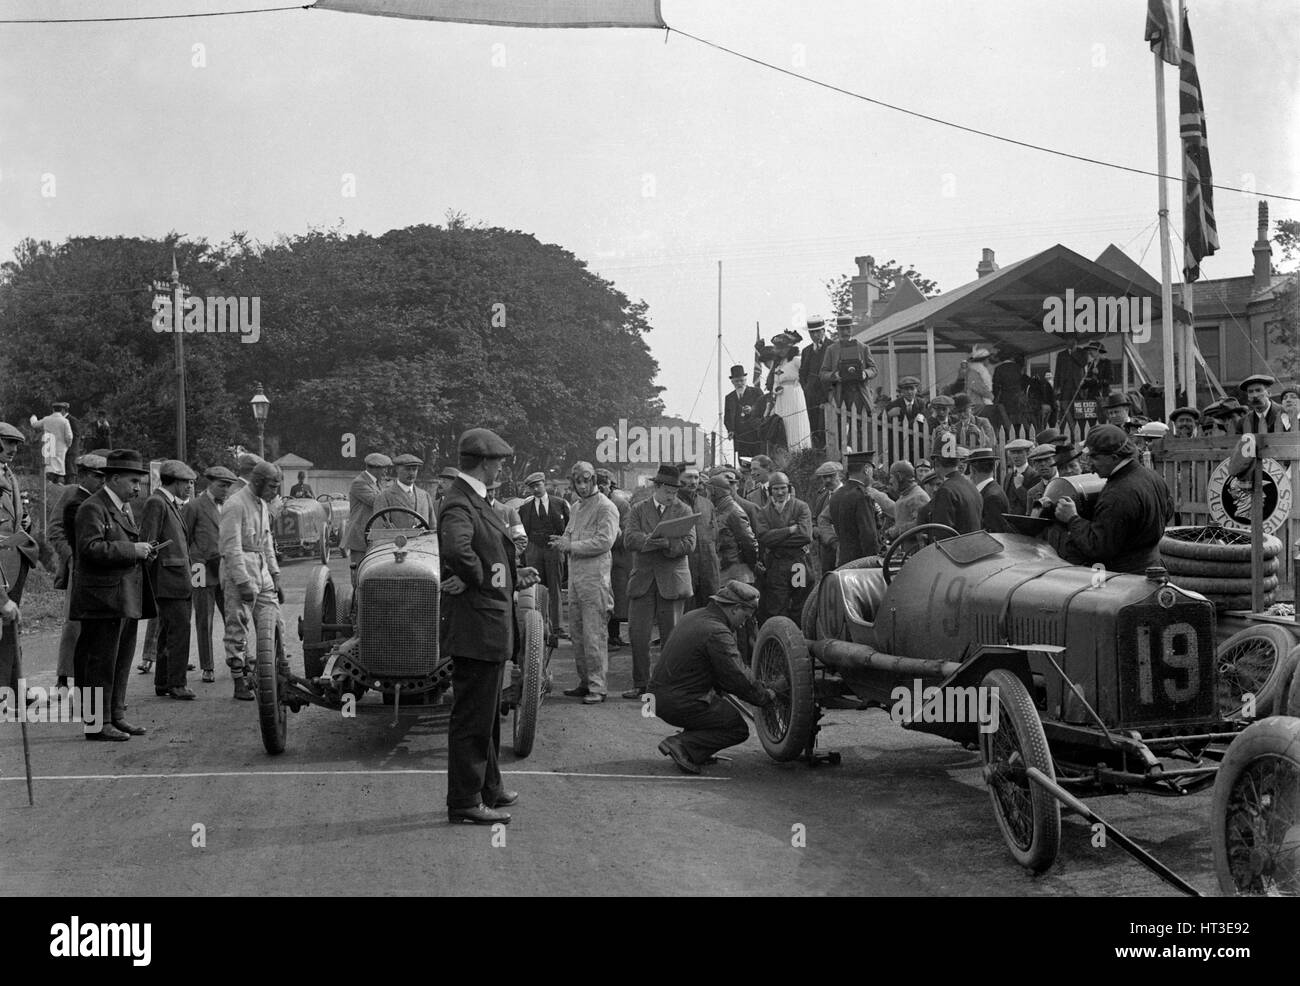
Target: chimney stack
(1263,252)
(988,265)
(864,288)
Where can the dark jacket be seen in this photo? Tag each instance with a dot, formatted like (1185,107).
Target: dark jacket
(201,520)
(108,581)
(958,504)
(1127,523)
(1071,367)
(541,529)
(170,571)
(995,505)
(775,539)
(476,546)
(1274,419)
(63,534)
(740,425)
(701,659)
(736,541)
(855,523)
(664,569)
(1018,496)
(810,368)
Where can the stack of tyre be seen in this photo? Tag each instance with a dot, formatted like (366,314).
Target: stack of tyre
(1215,562)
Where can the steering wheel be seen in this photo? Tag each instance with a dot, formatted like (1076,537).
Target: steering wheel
(910,533)
(423,524)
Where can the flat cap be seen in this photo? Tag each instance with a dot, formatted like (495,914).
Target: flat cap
(910,382)
(942,400)
(176,469)
(1048,436)
(1185,412)
(827,469)
(1109,440)
(9,431)
(534,477)
(449,472)
(1263,378)
(407,459)
(1039,451)
(91,461)
(1019,445)
(484,443)
(61,405)
(735,592)
(378,460)
(982,455)
(219,474)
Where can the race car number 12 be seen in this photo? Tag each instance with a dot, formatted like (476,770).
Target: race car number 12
(1184,665)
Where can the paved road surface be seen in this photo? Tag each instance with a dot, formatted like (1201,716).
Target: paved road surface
(356,806)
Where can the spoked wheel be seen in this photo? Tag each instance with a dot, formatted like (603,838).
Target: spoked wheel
(1255,825)
(895,556)
(1252,661)
(1029,817)
(271,713)
(785,728)
(318,608)
(530,690)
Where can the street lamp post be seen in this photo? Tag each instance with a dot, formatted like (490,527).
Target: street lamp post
(261,407)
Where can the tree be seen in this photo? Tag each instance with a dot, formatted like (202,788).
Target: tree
(839,290)
(1285,331)
(1286,235)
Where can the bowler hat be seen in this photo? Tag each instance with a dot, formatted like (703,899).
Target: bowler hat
(174,469)
(1263,378)
(736,592)
(407,459)
(667,476)
(484,443)
(534,477)
(125,460)
(1118,399)
(1065,453)
(737,372)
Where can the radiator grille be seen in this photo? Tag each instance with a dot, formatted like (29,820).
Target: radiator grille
(1165,662)
(399,626)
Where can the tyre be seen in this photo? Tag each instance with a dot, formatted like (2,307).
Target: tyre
(1213,544)
(1177,566)
(319,607)
(1252,660)
(1028,815)
(1255,813)
(1293,696)
(1222,587)
(1237,602)
(530,690)
(1286,676)
(272,715)
(785,728)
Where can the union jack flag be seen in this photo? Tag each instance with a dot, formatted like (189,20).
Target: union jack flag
(1200,234)
(1160,29)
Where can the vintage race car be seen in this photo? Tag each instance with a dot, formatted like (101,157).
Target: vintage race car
(337,509)
(302,530)
(1065,678)
(384,637)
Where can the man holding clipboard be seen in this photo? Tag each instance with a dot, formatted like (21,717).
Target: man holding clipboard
(660,534)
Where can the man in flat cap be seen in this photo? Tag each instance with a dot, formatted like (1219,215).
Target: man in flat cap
(544,517)
(972,431)
(201,520)
(907,406)
(1131,511)
(660,581)
(55,447)
(110,589)
(62,536)
(830,476)
(480,578)
(847,371)
(365,488)
(169,572)
(814,388)
(982,462)
(1263,415)
(1185,421)
(857,530)
(1042,464)
(742,413)
(250,576)
(956,502)
(909,498)
(404,493)
(1018,477)
(588,540)
(941,406)
(699,666)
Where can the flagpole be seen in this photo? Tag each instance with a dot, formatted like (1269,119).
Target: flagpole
(1189,336)
(1166,274)
(717,451)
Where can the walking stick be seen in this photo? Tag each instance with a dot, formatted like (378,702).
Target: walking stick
(22,714)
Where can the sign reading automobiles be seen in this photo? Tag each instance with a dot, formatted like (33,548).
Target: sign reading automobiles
(1231,496)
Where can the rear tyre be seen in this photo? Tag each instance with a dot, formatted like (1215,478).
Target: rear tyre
(1029,816)
(1252,660)
(318,608)
(272,715)
(530,693)
(785,727)
(808,620)
(1255,820)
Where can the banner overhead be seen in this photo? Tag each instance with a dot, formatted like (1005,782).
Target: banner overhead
(512,13)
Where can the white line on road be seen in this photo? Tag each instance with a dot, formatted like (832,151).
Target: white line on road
(345,773)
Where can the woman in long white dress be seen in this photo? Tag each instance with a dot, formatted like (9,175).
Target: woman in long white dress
(790,406)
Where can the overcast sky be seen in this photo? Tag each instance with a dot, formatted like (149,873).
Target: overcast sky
(650,161)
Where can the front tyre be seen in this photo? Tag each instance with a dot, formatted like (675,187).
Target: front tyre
(785,727)
(271,713)
(1028,815)
(530,694)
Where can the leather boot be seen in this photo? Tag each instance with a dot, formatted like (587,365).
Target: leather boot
(243,691)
